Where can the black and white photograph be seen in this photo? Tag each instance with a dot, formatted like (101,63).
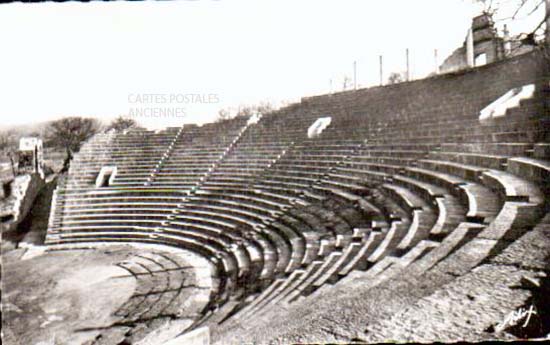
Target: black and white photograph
(262,172)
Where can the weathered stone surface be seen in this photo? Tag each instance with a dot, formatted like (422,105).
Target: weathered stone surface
(529,251)
(85,296)
(463,309)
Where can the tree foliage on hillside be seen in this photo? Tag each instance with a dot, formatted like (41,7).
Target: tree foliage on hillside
(69,133)
(246,111)
(122,123)
(224,114)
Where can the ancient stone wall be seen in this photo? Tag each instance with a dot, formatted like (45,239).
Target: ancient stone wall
(24,190)
(458,94)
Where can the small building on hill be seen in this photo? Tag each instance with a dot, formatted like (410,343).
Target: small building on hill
(486,44)
(31,158)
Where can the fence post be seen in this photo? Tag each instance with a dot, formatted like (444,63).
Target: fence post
(470,48)
(355,75)
(436,61)
(381,71)
(408,65)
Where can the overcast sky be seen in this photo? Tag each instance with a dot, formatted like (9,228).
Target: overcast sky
(188,59)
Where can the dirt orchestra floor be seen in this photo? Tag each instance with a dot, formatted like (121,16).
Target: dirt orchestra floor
(116,294)
(62,297)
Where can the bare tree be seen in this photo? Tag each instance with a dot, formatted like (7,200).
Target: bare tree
(7,149)
(395,78)
(122,123)
(223,114)
(346,83)
(520,9)
(249,110)
(265,108)
(3,141)
(69,133)
(245,110)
